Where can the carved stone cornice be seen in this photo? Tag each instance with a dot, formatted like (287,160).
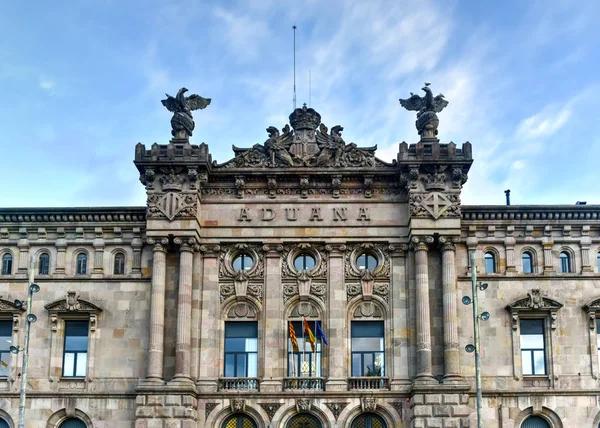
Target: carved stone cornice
(398,249)
(71,215)
(210,250)
(159,244)
(534,302)
(421,243)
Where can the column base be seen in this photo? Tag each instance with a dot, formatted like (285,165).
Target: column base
(455,380)
(182,382)
(425,380)
(151,382)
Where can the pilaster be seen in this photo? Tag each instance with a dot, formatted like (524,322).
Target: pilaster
(23,245)
(400,317)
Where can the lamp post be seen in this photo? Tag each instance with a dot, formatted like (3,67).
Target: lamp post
(476,317)
(30,318)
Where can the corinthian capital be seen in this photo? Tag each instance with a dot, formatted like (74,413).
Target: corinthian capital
(160,244)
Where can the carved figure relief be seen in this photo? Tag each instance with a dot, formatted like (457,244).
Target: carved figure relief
(426,108)
(336,408)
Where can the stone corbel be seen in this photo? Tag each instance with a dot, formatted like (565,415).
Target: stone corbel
(368,184)
(553,316)
(93,322)
(514,320)
(367,280)
(336,185)
(240,282)
(240,185)
(592,320)
(272,186)
(368,404)
(304,284)
(303,404)
(54,322)
(304,185)
(238,405)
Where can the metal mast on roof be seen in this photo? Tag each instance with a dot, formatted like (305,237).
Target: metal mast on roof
(309,87)
(294,27)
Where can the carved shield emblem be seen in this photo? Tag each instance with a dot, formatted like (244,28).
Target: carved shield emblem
(170,204)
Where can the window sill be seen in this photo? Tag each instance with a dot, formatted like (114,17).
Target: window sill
(72,383)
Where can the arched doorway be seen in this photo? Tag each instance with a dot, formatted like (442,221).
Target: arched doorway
(239,421)
(369,420)
(304,420)
(73,423)
(535,422)
(4,424)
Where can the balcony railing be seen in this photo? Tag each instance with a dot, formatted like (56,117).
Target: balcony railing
(239,384)
(303,383)
(368,382)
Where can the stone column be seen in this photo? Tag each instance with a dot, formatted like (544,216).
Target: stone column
(157,310)
(400,318)
(424,366)
(210,333)
(451,343)
(184,309)
(274,334)
(335,325)
(196,296)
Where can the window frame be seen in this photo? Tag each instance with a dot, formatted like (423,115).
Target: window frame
(318,355)
(237,417)
(528,253)
(77,263)
(319,423)
(242,255)
(368,420)
(531,351)
(304,256)
(44,264)
(119,254)
(76,352)
(593,313)
(362,372)
(236,354)
(8,259)
(367,255)
(569,257)
(494,258)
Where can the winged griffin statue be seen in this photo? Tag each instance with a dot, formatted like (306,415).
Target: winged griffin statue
(426,108)
(181,106)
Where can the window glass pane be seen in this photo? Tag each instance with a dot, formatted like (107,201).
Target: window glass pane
(242,262)
(241,329)
(229,365)
(240,365)
(535,326)
(366,261)
(119,264)
(527,263)
(81,364)
(368,367)
(565,263)
(304,262)
(81,264)
(367,328)
(44,264)
(532,341)
(490,263)
(76,343)
(540,366)
(526,362)
(371,344)
(5,335)
(69,364)
(252,365)
(4,362)
(356,367)
(7,264)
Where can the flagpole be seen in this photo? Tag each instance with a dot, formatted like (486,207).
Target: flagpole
(303,346)
(315,352)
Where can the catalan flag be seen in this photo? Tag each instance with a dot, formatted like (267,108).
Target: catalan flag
(293,338)
(320,332)
(311,336)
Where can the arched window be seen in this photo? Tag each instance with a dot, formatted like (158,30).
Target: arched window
(44,264)
(242,262)
(7,261)
(535,422)
(368,420)
(366,261)
(239,421)
(81,268)
(304,262)
(527,259)
(565,262)
(119,268)
(73,423)
(490,262)
(4,424)
(304,420)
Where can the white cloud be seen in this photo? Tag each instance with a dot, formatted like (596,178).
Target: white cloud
(47,84)
(545,123)
(245,33)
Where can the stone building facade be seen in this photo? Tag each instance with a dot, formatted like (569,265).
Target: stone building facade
(178,314)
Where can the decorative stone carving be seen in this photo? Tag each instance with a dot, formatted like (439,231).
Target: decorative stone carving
(336,408)
(436,180)
(182,122)
(336,184)
(368,404)
(171,205)
(368,309)
(367,280)
(304,283)
(289,254)
(304,186)
(399,406)
(368,185)
(240,185)
(534,301)
(272,186)
(592,308)
(459,177)
(379,251)
(238,405)
(209,407)
(434,204)
(270,408)
(426,108)
(242,310)
(303,404)
(230,252)
(305,310)
(72,303)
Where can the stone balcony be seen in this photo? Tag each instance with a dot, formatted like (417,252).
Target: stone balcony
(251,384)
(362,383)
(303,384)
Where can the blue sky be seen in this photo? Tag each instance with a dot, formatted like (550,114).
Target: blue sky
(82,84)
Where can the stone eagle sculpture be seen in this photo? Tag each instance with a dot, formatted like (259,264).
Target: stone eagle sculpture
(426,108)
(182,122)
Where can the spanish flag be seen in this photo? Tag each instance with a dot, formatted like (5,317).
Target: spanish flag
(293,338)
(311,337)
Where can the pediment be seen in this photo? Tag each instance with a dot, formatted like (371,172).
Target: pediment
(535,301)
(8,306)
(594,305)
(72,303)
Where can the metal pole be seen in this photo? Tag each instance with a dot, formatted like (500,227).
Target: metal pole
(476,334)
(26,348)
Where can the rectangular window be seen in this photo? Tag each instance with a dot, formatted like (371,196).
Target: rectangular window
(533,349)
(368,358)
(304,363)
(241,349)
(5,343)
(76,347)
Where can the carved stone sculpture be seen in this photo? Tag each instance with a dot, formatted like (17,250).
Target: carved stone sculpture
(181,106)
(426,108)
